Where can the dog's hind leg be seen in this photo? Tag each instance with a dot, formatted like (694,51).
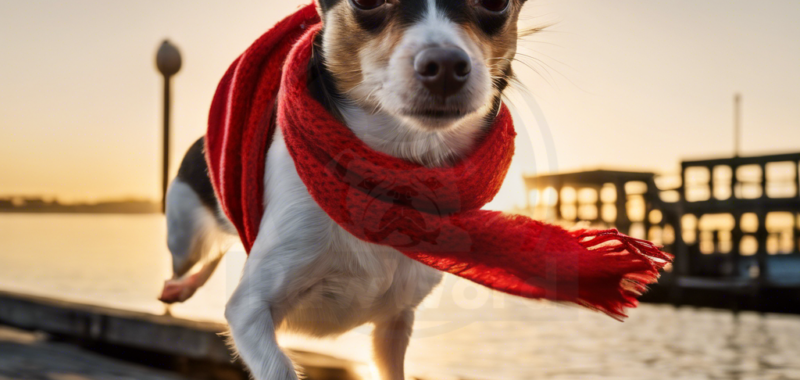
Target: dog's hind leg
(194,236)
(190,227)
(197,231)
(390,340)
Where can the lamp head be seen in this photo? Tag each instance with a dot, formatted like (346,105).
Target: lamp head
(168,59)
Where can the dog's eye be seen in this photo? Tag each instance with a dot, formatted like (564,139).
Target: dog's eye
(368,4)
(496,6)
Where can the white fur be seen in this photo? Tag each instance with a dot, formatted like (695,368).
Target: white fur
(194,233)
(308,273)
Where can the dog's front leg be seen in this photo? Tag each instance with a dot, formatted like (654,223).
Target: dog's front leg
(390,340)
(253,312)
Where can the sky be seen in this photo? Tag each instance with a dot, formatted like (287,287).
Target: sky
(623,84)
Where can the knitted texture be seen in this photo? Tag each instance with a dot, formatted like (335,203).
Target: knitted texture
(431,215)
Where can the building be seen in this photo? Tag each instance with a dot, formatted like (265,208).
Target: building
(732,223)
(741,229)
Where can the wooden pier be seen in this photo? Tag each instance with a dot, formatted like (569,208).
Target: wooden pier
(183,347)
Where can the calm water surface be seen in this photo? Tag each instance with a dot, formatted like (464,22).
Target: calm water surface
(463,331)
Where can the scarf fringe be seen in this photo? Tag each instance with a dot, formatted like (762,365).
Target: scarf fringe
(628,284)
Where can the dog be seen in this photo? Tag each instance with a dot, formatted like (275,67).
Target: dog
(420,80)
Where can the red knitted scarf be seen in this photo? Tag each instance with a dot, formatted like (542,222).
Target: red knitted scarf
(431,215)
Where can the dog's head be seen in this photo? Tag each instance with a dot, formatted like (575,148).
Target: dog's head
(430,63)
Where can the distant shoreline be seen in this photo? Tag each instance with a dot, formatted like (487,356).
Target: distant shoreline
(120,212)
(38,206)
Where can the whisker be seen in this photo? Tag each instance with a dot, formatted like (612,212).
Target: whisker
(547,68)
(537,72)
(546,56)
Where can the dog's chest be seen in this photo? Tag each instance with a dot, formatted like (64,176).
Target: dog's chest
(326,259)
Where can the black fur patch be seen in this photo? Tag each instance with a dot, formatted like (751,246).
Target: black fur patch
(463,12)
(491,23)
(409,12)
(496,102)
(405,12)
(321,84)
(194,172)
(502,82)
(372,20)
(457,11)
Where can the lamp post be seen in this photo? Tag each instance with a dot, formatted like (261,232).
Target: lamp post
(168,62)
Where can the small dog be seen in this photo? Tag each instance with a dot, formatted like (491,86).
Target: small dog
(416,79)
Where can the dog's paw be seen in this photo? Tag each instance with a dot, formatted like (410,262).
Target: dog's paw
(178,290)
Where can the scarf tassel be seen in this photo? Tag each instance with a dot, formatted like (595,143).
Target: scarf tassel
(627,284)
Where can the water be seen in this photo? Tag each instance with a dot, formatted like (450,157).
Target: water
(462,331)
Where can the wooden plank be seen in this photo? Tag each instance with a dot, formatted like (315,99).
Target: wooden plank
(27,356)
(165,334)
(159,334)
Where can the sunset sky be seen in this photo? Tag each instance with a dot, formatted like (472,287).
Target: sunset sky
(629,84)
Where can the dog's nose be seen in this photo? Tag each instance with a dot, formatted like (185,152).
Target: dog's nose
(443,71)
